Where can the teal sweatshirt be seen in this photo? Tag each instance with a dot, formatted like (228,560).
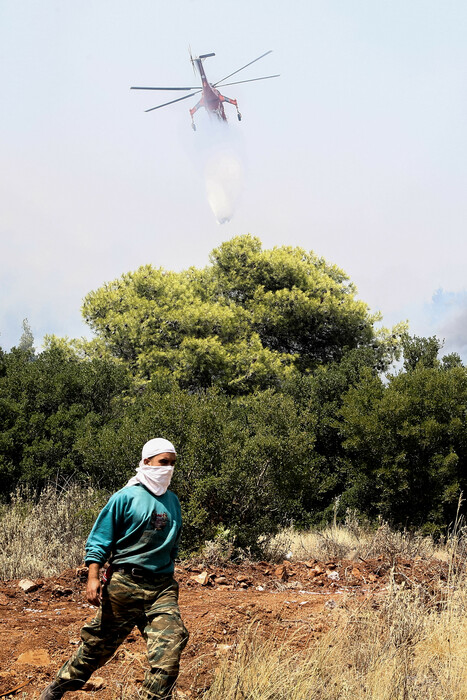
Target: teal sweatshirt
(138,528)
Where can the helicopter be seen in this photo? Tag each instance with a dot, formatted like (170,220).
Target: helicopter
(212,100)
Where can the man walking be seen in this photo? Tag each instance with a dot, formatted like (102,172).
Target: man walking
(138,533)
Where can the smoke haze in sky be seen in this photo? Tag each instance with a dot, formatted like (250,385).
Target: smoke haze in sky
(356,152)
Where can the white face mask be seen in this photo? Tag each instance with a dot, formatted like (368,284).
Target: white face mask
(156,479)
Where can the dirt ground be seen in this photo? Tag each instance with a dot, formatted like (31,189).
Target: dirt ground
(40,629)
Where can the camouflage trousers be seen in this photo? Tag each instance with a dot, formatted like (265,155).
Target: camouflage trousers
(153,608)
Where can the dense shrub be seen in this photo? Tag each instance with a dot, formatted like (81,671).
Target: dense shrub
(46,402)
(253,463)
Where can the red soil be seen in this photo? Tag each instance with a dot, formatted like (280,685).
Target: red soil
(40,629)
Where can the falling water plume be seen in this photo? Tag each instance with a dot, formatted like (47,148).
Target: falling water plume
(216,150)
(223,176)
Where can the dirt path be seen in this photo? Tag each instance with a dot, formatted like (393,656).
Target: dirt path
(39,629)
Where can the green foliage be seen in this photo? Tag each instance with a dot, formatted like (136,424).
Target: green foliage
(322,394)
(246,463)
(423,351)
(45,402)
(251,320)
(251,463)
(406,444)
(26,342)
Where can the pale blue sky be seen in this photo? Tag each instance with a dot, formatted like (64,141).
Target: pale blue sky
(358,151)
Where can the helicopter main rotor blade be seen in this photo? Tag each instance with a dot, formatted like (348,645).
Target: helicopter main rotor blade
(185,97)
(165,88)
(252,80)
(191,59)
(239,69)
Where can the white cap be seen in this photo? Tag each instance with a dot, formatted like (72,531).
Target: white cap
(155,447)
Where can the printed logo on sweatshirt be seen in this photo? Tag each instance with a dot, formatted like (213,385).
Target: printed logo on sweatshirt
(158,520)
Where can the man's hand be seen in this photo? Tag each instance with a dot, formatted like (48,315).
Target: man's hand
(94,588)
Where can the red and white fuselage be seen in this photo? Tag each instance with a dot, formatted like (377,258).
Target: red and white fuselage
(212,100)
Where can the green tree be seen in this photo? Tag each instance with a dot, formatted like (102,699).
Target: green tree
(417,350)
(322,394)
(252,319)
(406,444)
(26,342)
(43,407)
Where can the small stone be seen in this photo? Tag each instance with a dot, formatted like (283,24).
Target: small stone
(58,591)
(34,657)
(356,573)
(222,649)
(333,575)
(281,572)
(242,578)
(295,584)
(28,586)
(95,683)
(203,578)
(220,580)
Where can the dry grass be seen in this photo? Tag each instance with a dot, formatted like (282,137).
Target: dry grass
(410,644)
(407,649)
(353,541)
(45,536)
(334,541)
(216,552)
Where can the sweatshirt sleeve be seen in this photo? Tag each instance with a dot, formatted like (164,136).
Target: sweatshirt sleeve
(174,551)
(104,533)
